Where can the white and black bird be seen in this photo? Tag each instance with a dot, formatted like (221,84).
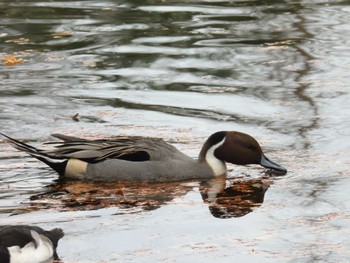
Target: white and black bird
(28,244)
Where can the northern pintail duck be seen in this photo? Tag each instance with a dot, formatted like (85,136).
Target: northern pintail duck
(147,159)
(28,244)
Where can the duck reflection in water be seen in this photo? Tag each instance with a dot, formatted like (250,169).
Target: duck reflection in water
(229,198)
(225,198)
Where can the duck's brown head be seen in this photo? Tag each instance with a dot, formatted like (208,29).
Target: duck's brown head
(236,148)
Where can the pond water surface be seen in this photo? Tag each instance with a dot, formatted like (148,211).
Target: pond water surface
(181,70)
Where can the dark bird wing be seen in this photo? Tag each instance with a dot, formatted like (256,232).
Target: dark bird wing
(132,148)
(10,236)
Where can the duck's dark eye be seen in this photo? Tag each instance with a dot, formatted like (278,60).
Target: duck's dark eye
(251,147)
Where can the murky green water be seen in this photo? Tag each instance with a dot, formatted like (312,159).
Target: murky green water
(181,70)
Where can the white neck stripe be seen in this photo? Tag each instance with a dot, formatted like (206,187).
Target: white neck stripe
(218,166)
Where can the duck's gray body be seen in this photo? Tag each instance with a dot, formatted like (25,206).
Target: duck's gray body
(152,171)
(147,159)
(128,159)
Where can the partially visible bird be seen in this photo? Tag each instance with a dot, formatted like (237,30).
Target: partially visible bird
(28,244)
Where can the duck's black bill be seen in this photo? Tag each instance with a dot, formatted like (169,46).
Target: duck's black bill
(267,163)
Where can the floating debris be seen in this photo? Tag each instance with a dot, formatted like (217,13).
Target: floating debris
(12,60)
(75,117)
(63,34)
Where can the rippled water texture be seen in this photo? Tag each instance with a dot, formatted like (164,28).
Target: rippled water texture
(181,70)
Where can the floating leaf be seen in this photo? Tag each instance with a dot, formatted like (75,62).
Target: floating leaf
(12,60)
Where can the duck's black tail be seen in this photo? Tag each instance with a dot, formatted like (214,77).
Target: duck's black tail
(55,235)
(57,164)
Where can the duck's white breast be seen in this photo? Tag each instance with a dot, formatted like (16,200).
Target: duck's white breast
(31,253)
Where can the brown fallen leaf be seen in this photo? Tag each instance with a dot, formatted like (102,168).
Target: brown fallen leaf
(12,60)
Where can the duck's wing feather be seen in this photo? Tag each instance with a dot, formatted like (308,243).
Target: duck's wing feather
(120,147)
